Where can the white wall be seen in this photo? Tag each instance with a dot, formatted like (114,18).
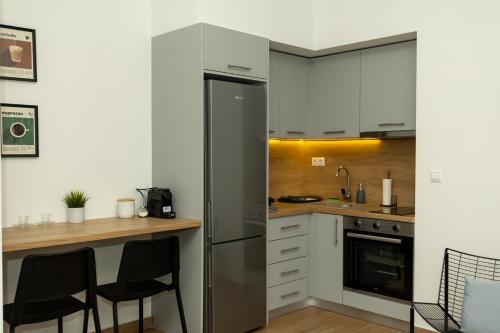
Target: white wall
(93,94)
(287,21)
(458,82)
(169,15)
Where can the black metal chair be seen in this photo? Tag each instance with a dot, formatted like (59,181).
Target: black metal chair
(445,315)
(142,262)
(46,285)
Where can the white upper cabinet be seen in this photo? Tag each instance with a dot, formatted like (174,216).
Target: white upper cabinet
(345,95)
(388,88)
(274,98)
(233,52)
(334,93)
(289,100)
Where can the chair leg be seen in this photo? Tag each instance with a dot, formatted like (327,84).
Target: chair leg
(97,323)
(181,309)
(12,329)
(115,318)
(412,319)
(85,320)
(141,315)
(59,325)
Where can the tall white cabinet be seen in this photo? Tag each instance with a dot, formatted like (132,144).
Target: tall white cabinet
(180,61)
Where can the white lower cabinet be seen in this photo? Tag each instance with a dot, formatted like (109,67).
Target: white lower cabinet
(326,257)
(378,305)
(287,293)
(288,261)
(286,227)
(287,271)
(286,249)
(311,265)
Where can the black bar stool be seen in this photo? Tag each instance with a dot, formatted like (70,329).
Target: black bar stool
(142,262)
(46,285)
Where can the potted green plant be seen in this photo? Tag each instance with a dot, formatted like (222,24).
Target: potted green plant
(75,201)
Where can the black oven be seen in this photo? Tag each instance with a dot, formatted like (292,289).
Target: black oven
(378,257)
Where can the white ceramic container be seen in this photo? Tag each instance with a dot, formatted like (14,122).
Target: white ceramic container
(76,215)
(125,208)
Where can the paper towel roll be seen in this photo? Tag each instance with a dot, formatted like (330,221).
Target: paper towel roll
(386,192)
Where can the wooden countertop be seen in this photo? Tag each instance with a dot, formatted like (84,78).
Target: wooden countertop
(358,210)
(41,236)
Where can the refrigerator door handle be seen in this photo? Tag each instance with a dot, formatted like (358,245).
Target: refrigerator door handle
(209,273)
(210,221)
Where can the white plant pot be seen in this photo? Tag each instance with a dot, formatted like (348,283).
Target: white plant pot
(76,215)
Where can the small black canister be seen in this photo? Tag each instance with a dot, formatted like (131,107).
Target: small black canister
(360,194)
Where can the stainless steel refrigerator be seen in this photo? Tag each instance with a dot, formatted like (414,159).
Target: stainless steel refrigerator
(235,206)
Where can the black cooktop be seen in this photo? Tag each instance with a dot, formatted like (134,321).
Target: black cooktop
(299,199)
(395,211)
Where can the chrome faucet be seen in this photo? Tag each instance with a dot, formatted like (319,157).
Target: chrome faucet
(346,193)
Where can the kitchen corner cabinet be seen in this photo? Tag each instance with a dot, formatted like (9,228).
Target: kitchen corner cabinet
(234,52)
(388,88)
(326,257)
(288,91)
(334,91)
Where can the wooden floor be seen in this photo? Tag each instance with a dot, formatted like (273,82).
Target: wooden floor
(314,320)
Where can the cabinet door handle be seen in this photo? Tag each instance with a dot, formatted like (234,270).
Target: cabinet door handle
(292,249)
(288,227)
(333,132)
(295,293)
(293,271)
(296,132)
(336,231)
(391,124)
(375,238)
(272,131)
(240,68)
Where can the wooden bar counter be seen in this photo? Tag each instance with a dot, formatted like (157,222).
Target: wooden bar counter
(55,234)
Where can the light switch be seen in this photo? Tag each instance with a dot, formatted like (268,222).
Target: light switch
(318,161)
(436,175)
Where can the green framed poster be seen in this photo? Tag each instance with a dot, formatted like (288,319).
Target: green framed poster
(19,128)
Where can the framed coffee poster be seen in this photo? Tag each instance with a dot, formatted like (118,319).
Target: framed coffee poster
(17,53)
(19,126)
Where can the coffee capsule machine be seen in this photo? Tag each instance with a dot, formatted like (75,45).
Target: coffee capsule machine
(158,202)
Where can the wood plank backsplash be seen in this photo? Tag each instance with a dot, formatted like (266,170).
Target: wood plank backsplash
(291,173)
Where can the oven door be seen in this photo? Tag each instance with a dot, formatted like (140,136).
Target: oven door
(379,264)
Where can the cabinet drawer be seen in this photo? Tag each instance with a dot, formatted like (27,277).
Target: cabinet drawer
(287,271)
(286,249)
(287,293)
(234,52)
(285,227)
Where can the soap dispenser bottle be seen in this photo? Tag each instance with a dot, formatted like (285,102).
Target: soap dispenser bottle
(360,194)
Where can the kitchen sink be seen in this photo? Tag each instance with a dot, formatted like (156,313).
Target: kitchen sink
(336,204)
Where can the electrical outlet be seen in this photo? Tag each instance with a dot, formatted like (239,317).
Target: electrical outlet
(318,161)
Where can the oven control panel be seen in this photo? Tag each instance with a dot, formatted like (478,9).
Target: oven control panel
(379,226)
